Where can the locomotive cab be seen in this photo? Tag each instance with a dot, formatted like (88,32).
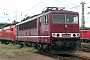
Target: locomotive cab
(64,30)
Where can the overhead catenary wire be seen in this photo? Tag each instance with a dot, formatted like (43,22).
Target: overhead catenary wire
(14,10)
(59,2)
(43,4)
(28,1)
(27,9)
(34,5)
(47,3)
(78,6)
(75,6)
(39,4)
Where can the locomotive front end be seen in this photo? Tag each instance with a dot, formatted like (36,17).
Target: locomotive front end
(65,33)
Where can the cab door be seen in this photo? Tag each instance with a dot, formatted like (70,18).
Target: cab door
(39,29)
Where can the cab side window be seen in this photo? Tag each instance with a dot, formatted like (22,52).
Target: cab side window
(46,19)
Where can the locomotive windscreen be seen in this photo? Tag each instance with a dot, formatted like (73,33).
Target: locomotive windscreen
(28,25)
(68,19)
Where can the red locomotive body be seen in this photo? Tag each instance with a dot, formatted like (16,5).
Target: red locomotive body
(85,35)
(8,34)
(56,31)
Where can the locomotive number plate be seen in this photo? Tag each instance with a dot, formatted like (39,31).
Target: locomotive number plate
(65,35)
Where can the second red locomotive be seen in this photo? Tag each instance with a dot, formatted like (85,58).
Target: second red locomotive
(85,35)
(8,34)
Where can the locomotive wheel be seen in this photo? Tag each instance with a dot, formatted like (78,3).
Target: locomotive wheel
(2,42)
(21,44)
(36,45)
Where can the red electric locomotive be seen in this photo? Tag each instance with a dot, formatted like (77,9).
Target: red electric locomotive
(8,34)
(54,30)
(85,35)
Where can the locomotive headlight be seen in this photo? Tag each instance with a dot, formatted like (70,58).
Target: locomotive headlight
(54,35)
(78,35)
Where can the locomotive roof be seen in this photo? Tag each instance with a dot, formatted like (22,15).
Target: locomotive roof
(33,18)
(61,11)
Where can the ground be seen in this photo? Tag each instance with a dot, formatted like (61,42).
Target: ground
(27,56)
(15,52)
(83,54)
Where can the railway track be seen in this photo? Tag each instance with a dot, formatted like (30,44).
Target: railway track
(65,56)
(85,47)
